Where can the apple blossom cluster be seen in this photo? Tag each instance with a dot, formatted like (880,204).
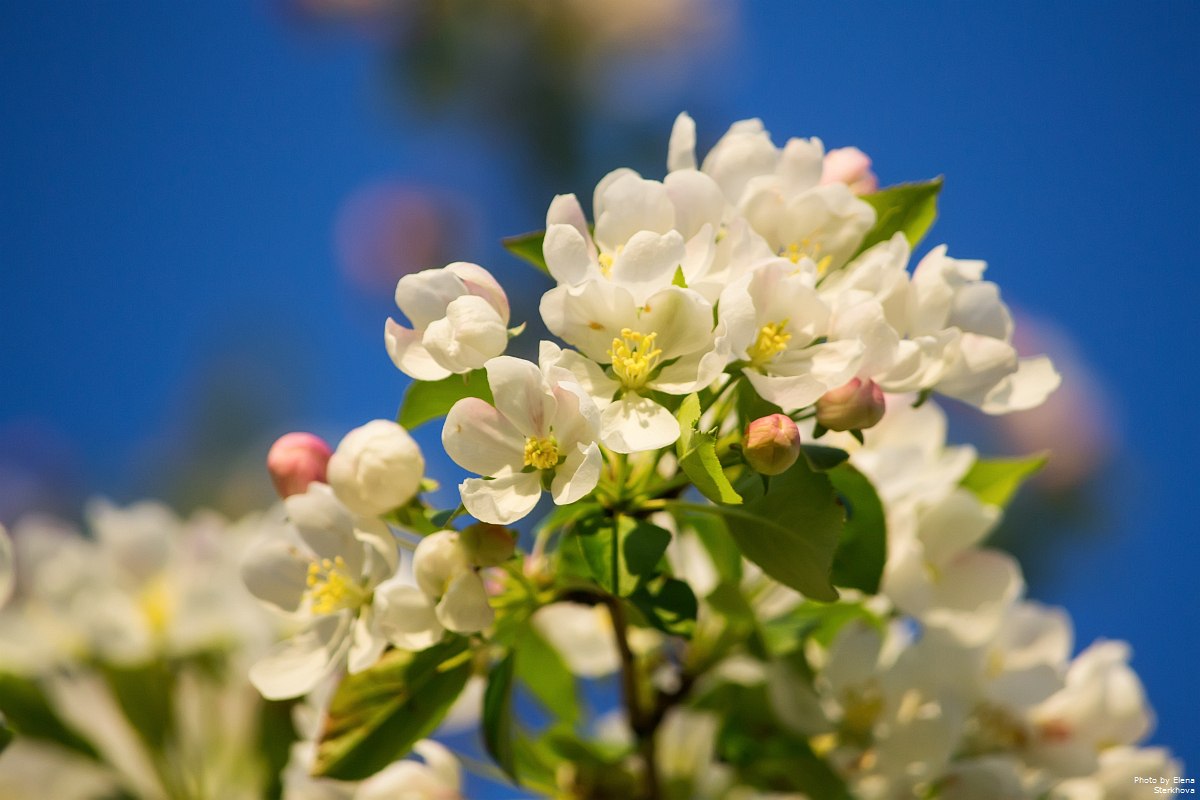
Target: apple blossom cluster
(754,525)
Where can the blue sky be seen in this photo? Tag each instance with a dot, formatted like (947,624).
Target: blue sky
(170,177)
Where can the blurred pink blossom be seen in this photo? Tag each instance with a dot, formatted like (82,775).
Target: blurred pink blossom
(850,166)
(296,460)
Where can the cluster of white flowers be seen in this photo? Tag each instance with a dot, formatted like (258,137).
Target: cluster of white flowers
(752,263)
(821,620)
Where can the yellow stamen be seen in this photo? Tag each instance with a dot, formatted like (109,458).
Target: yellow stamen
(606,262)
(157,604)
(541,452)
(807,248)
(331,587)
(862,707)
(772,340)
(634,357)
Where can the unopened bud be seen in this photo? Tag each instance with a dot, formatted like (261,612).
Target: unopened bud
(487,545)
(852,407)
(850,166)
(772,444)
(296,460)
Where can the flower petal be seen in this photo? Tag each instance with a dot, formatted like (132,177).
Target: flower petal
(409,354)
(465,607)
(502,500)
(521,395)
(479,438)
(578,475)
(471,332)
(635,423)
(275,571)
(295,666)
(406,616)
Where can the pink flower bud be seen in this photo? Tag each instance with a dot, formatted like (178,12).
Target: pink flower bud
(295,461)
(772,444)
(851,407)
(487,545)
(850,166)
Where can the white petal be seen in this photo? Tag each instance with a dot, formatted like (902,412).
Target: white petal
(479,282)
(634,423)
(972,592)
(682,319)
(589,316)
(648,263)
(325,525)
(440,761)
(409,354)
(295,666)
(698,201)
(953,524)
(681,149)
(801,164)
(583,636)
(789,392)
(1028,387)
(568,365)
(630,204)
(521,395)
(423,296)
(471,332)
(578,475)
(502,500)
(367,642)
(478,438)
(570,257)
(406,616)
(275,571)
(465,608)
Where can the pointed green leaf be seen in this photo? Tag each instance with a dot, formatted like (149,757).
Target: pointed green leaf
(29,714)
(862,550)
(541,669)
(528,248)
(426,400)
(376,716)
(908,208)
(623,552)
(669,605)
(792,530)
(499,732)
(697,452)
(996,480)
(821,457)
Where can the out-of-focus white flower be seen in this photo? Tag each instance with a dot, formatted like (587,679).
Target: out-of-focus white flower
(664,344)
(459,315)
(540,432)
(326,578)
(377,467)
(582,635)
(1102,706)
(1123,775)
(685,753)
(296,460)
(850,166)
(439,777)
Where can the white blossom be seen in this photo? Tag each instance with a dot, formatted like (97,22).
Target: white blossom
(376,467)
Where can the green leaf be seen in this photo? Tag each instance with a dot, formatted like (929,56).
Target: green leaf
(528,248)
(909,208)
(712,533)
(28,713)
(541,669)
(622,552)
(669,605)
(996,480)
(862,551)
(697,452)
(376,716)
(146,696)
(821,621)
(821,457)
(498,723)
(792,530)
(426,400)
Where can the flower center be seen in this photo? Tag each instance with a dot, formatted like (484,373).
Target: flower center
(807,248)
(606,261)
(331,587)
(772,340)
(157,604)
(541,452)
(634,357)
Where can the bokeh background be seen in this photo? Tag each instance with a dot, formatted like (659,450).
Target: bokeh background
(204,209)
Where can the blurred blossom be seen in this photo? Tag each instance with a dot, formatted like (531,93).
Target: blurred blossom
(296,460)
(387,230)
(1076,424)
(850,166)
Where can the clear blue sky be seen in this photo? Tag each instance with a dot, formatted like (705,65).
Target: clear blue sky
(170,173)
